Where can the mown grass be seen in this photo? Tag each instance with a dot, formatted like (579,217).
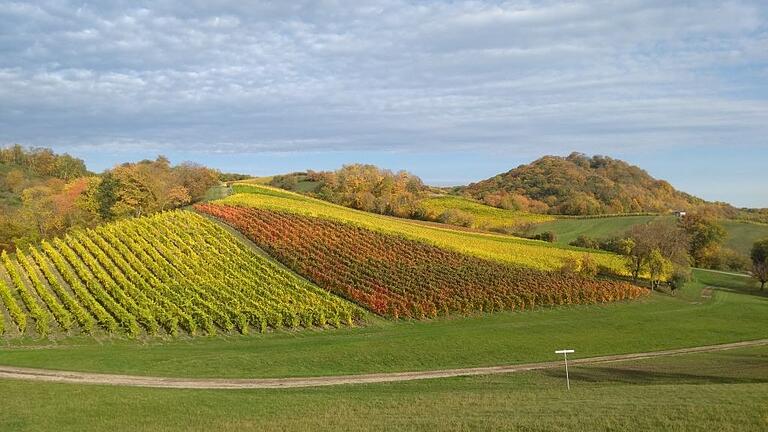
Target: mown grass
(484,216)
(742,235)
(722,391)
(503,248)
(658,322)
(567,230)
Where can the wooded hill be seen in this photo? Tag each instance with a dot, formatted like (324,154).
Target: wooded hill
(580,185)
(44,194)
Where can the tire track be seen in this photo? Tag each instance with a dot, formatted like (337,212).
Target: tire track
(47,375)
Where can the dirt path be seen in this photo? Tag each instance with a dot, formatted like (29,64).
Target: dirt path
(724,272)
(30,374)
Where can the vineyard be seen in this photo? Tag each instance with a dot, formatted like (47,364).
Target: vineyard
(483,216)
(399,277)
(508,249)
(166,274)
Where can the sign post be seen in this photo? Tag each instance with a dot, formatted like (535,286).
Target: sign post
(565,353)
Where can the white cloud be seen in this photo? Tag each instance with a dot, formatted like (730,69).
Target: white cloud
(338,75)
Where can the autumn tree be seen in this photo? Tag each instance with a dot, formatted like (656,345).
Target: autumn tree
(647,244)
(759,257)
(177,196)
(364,187)
(659,267)
(196,179)
(706,236)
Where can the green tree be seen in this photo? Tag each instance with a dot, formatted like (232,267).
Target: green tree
(660,238)
(706,236)
(759,257)
(106,195)
(658,267)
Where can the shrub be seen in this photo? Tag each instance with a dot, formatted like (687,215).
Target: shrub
(680,276)
(589,266)
(456,217)
(584,265)
(547,236)
(585,242)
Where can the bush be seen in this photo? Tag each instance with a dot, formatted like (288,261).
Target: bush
(585,242)
(456,217)
(588,266)
(613,244)
(734,261)
(547,236)
(524,229)
(584,265)
(680,276)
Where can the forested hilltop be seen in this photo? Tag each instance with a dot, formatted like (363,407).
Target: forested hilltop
(580,185)
(44,194)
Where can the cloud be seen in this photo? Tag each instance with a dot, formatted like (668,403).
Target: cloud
(382,75)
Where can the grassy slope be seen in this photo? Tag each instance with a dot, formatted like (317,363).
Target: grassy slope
(499,247)
(660,322)
(724,391)
(567,230)
(484,216)
(742,235)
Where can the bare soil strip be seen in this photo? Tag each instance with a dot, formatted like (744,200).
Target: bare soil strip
(48,375)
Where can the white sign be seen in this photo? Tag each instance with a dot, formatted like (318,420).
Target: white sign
(565,353)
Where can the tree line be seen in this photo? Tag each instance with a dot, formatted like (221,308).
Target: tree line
(44,194)
(664,250)
(363,187)
(581,185)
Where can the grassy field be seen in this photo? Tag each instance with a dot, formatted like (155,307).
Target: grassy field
(723,391)
(529,253)
(742,235)
(484,216)
(566,230)
(736,312)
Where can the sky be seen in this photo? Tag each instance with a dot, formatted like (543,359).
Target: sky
(453,91)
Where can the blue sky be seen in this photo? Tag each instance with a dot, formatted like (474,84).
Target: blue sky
(454,91)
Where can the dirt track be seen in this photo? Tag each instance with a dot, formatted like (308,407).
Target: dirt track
(30,374)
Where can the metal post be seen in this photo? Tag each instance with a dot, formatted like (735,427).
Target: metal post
(565,353)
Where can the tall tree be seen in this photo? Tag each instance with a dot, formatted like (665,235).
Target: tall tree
(706,236)
(659,267)
(759,257)
(652,242)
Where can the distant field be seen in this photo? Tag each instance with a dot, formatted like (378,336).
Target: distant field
(566,230)
(485,216)
(535,254)
(742,235)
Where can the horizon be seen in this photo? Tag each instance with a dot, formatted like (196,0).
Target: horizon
(328,162)
(676,89)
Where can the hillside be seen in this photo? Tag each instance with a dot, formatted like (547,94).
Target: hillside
(478,215)
(740,235)
(508,249)
(580,185)
(165,274)
(44,194)
(395,277)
